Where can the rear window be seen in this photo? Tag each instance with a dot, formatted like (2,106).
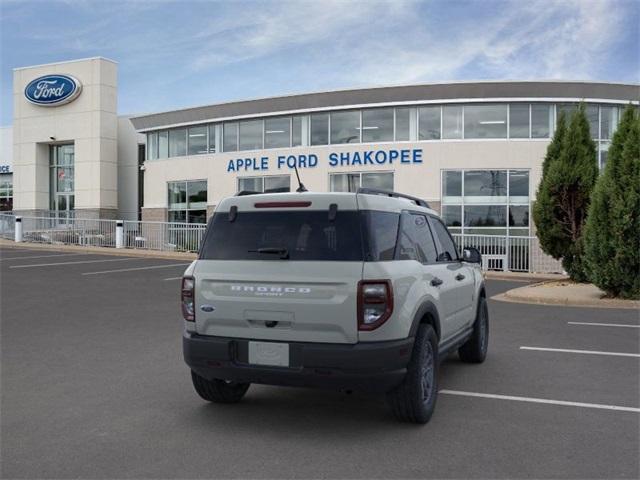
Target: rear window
(304,235)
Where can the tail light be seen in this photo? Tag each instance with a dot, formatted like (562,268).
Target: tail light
(375,303)
(187,298)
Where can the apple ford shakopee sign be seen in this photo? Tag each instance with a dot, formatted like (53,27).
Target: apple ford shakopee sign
(53,90)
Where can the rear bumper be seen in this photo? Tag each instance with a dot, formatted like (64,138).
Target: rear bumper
(372,367)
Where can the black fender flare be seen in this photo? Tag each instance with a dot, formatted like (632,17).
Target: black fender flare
(426,308)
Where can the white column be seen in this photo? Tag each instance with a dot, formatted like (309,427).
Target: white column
(119,234)
(18,230)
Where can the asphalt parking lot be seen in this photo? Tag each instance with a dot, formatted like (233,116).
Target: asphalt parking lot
(94,386)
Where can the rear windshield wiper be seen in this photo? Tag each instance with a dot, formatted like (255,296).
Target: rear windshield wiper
(283,252)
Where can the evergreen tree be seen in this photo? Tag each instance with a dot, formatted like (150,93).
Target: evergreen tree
(564,194)
(612,233)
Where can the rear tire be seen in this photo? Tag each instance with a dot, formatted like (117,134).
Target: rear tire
(219,391)
(475,349)
(414,400)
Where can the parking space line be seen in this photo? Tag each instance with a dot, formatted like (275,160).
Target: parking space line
(42,256)
(541,400)
(587,352)
(622,325)
(172,278)
(138,268)
(75,263)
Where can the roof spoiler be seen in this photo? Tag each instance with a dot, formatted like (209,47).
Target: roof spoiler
(389,193)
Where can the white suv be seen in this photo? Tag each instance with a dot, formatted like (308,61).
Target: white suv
(353,291)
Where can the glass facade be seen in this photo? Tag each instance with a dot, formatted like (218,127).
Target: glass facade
(350,182)
(61,179)
(383,124)
(488,202)
(6,192)
(187,201)
(270,184)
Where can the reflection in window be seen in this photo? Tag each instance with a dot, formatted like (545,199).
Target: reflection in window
(541,120)
(485,216)
(519,185)
(197,140)
(429,123)
(230,137)
(320,129)
(296,131)
(485,185)
(452,183)
(592,117)
(350,182)
(452,121)
(152,146)
(212,138)
(178,142)
(452,215)
(608,122)
(251,135)
(519,120)
(377,125)
(187,201)
(485,121)
(163,144)
(519,216)
(6,192)
(403,124)
(277,132)
(380,180)
(270,184)
(345,127)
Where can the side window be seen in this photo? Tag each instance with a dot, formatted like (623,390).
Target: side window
(449,251)
(415,241)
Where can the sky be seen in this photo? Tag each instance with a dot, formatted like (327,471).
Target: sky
(176,54)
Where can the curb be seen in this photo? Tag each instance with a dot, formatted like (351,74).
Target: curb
(124,252)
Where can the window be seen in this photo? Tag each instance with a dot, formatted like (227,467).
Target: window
(6,192)
(415,241)
(320,129)
(452,215)
(275,183)
(380,231)
(197,140)
(230,137)
(482,186)
(305,235)
(485,121)
(452,185)
(212,138)
(345,127)
(541,120)
(519,120)
(277,132)
(163,144)
(152,146)
(377,125)
(296,131)
(592,116)
(187,201)
(519,186)
(61,179)
(452,121)
(251,135)
(608,122)
(449,251)
(350,182)
(519,216)
(429,123)
(403,124)
(485,216)
(178,142)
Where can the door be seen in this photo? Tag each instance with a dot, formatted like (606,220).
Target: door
(459,282)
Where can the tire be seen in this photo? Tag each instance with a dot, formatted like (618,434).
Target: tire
(414,400)
(474,350)
(219,391)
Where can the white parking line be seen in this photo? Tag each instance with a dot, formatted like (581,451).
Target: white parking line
(622,325)
(172,278)
(541,400)
(138,268)
(42,256)
(75,263)
(588,352)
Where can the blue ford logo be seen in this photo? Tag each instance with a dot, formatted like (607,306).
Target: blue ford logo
(53,90)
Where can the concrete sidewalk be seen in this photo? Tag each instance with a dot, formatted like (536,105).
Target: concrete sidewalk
(565,292)
(128,252)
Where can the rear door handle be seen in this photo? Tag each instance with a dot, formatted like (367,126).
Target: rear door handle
(436,282)
(459,277)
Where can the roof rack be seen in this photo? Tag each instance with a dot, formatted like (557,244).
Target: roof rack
(243,193)
(389,193)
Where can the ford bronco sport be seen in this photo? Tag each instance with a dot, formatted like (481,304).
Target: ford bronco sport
(353,291)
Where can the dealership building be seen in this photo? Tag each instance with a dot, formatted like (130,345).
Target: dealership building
(473,150)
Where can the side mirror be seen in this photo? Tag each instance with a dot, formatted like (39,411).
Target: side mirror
(471,255)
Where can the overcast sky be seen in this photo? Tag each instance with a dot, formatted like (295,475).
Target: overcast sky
(186,53)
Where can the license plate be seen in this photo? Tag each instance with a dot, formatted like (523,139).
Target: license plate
(269,353)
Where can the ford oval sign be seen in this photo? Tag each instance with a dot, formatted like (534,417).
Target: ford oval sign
(53,90)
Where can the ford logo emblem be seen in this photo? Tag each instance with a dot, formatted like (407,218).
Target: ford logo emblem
(207,308)
(53,90)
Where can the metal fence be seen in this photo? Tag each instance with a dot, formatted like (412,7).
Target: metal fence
(69,231)
(182,237)
(515,254)
(7,226)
